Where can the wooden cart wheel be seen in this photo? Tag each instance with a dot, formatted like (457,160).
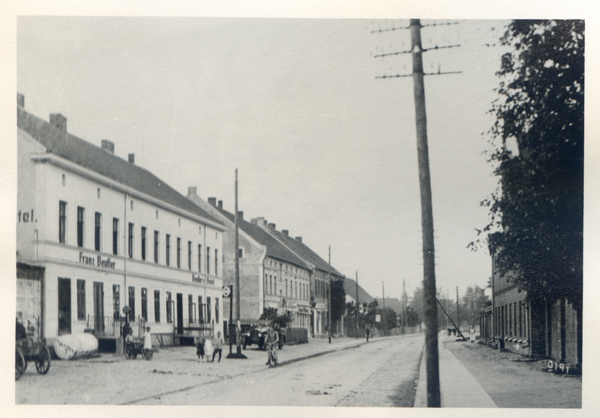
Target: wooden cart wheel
(42,363)
(20,365)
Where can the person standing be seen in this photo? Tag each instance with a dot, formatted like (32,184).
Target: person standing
(147,344)
(218,346)
(200,349)
(368,333)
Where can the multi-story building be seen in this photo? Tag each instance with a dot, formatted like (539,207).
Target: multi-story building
(322,275)
(271,275)
(96,233)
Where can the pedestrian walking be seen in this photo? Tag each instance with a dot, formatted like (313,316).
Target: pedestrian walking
(218,346)
(200,349)
(368,333)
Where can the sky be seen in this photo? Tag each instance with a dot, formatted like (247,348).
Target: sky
(324,149)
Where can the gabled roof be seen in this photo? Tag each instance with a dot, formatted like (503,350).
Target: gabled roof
(104,163)
(305,252)
(392,303)
(274,248)
(350,288)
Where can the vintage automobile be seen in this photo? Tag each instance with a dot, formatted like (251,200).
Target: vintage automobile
(257,334)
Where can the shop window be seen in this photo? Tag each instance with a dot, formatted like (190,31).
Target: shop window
(62,221)
(200,310)
(208,310)
(116,301)
(97,231)
(169,308)
(80,225)
(80,299)
(145,304)
(131,303)
(191,309)
(157,306)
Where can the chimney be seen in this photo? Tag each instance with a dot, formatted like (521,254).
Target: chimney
(20,100)
(299,239)
(264,222)
(192,191)
(257,221)
(241,214)
(220,204)
(212,201)
(132,158)
(58,121)
(108,146)
(285,232)
(272,226)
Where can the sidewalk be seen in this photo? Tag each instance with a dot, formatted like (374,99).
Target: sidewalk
(458,388)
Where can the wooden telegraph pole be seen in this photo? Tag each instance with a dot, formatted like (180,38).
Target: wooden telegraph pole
(357,305)
(329,297)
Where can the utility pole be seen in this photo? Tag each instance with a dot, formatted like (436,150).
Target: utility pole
(457,310)
(430,299)
(404,321)
(329,297)
(357,305)
(383,312)
(238,340)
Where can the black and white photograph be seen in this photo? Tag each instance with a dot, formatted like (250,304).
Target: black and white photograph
(293,210)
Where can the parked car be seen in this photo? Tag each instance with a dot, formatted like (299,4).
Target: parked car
(257,334)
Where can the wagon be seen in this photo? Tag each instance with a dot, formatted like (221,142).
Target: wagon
(30,350)
(133,348)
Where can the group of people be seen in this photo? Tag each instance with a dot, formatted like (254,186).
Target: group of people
(208,346)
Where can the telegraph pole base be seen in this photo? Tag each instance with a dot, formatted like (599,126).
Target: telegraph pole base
(237,356)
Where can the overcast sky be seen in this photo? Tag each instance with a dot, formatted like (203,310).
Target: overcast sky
(323,148)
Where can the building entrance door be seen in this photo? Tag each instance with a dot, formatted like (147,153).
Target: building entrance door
(99,308)
(179,313)
(64,306)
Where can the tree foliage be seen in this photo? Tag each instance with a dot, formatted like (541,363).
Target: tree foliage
(538,210)
(338,300)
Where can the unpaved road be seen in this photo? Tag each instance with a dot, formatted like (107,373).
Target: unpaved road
(378,374)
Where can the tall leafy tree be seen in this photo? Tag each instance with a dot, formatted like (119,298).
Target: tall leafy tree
(538,208)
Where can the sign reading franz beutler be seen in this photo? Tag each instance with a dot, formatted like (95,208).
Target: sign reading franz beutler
(97,261)
(199,279)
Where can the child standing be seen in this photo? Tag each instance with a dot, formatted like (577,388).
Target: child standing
(200,349)
(147,344)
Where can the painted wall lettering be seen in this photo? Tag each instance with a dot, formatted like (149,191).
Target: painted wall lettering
(26,217)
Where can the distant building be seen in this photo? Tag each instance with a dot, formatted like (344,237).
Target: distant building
(96,233)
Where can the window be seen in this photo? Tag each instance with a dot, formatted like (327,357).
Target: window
(98,192)
(189,255)
(115,236)
(207,260)
(169,308)
(62,221)
(270,284)
(98,231)
(143,242)
(80,299)
(286,287)
(275,286)
(217,310)
(116,301)
(208,309)
(130,243)
(157,306)
(191,309)
(216,262)
(64,180)
(131,203)
(200,310)
(156,246)
(240,253)
(80,213)
(145,304)
(199,258)
(168,249)
(178,252)
(131,303)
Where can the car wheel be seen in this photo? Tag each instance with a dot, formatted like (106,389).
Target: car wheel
(20,365)
(42,364)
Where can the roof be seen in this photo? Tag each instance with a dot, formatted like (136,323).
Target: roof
(392,303)
(350,288)
(274,248)
(105,163)
(305,252)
